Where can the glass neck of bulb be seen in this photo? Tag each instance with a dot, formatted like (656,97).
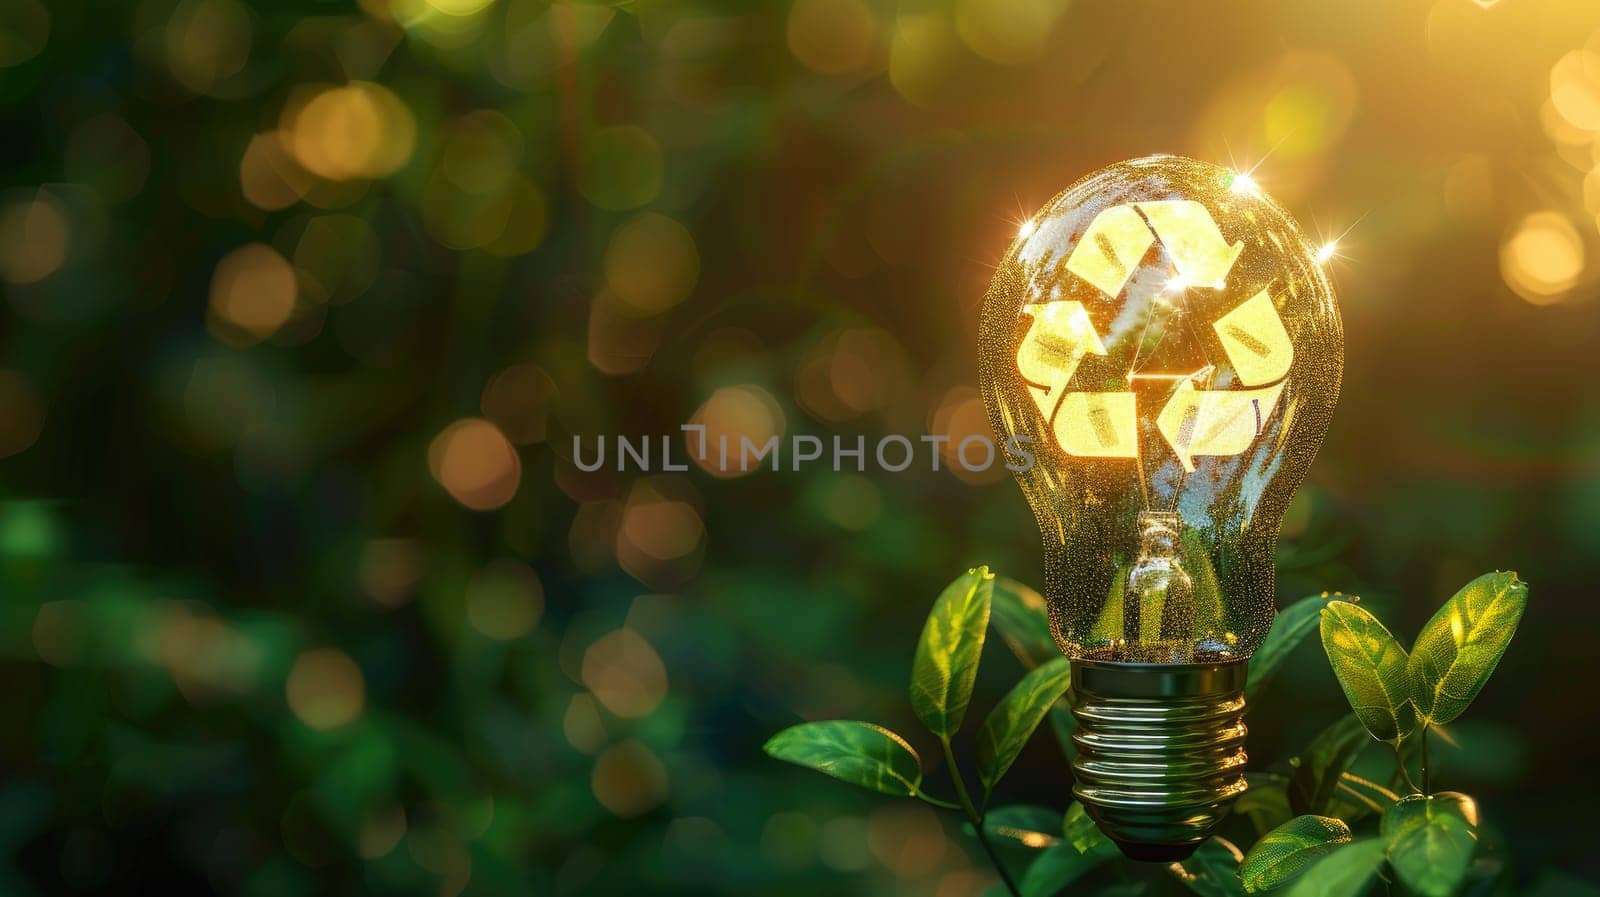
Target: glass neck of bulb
(1158,595)
(1158,534)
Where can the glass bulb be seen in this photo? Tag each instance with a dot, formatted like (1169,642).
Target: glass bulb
(1163,337)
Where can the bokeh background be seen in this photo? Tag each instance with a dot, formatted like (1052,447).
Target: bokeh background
(300,591)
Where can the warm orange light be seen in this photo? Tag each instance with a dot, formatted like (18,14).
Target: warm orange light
(651,263)
(253,292)
(629,779)
(1543,258)
(325,688)
(33,239)
(357,130)
(476,464)
(831,36)
(625,674)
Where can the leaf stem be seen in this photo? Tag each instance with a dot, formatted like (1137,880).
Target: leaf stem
(1424,735)
(928,798)
(975,817)
(1400,764)
(1365,801)
(1368,783)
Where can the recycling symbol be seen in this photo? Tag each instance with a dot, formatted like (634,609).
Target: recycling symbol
(1194,421)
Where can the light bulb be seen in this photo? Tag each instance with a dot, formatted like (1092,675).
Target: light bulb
(1164,336)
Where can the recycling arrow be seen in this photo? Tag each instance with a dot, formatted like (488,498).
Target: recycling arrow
(1120,236)
(1214,421)
(1060,335)
(1257,345)
(1193,421)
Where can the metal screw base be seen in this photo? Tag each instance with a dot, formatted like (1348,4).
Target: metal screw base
(1160,751)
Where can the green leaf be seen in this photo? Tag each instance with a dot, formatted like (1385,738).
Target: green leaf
(1344,873)
(1015,718)
(1287,850)
(1027,825)
(1055,868)
(1463,642)
(1019,616)
(1431,841)
(1080,831)
(1213,870)
(859,753)
(947,654)
(1315,781)
(1289,628)
(1371,667)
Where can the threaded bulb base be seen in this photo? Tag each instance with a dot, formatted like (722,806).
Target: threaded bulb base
(1160,751)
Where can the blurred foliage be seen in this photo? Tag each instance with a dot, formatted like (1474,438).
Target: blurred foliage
(302,590)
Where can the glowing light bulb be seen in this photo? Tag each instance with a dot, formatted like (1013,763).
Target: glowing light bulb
(1171,427)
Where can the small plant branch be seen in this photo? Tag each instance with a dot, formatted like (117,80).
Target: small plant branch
(975,817)
(928,798)
(1368,783)
(1365,801)
(1346,779)
(1424,735)
(1400,764)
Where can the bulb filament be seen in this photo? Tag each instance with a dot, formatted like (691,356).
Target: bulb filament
(1158,595)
